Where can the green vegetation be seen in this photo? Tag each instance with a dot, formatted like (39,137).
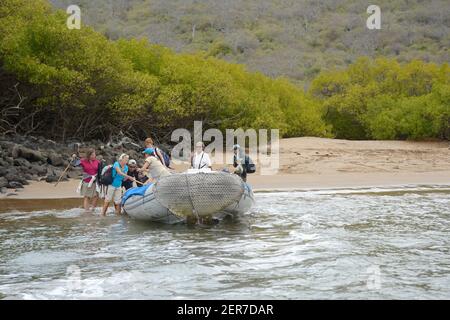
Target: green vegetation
(79,83)
(382,99)
(291,38)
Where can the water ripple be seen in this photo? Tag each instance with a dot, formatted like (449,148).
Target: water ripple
(317,244)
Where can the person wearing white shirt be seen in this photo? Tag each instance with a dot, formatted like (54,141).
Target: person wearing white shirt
(200,159)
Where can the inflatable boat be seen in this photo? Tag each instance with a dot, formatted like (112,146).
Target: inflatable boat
(191,196)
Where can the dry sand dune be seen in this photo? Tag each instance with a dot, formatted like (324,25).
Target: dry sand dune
(322,156)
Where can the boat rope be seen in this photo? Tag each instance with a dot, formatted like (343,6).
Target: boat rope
(190,198)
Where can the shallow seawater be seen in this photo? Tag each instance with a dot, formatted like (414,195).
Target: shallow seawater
(335,244)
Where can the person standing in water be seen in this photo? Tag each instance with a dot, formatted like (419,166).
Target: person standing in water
(239,162)
(200,159)
(88,185)
(114,193)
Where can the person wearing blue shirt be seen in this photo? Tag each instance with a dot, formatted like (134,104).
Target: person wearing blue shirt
(114,193)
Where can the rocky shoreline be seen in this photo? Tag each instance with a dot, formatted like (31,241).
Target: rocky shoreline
(305,162)
(24,159)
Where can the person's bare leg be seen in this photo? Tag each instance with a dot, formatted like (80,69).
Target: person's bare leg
(94,203)
(118,208)
(105,207)
(86,204)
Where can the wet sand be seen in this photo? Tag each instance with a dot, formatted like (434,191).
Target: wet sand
(317,163)
(284,182)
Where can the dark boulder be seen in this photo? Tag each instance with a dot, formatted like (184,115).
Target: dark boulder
(55,159)
(21,162)
(3,182)
(22,152)
(134,155)
(131,146)
(55,178)
(53,171)
(15,185)
(3,162)
(75,173)
(18,139)
(17,151)
(39,170)
(48,144)
(7,147)
(11,176)
(16,178)
(51,178)
(108,158)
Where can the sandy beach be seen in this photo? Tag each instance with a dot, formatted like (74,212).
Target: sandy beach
(317,163)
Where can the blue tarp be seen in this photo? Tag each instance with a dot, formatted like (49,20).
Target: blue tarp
(138,191)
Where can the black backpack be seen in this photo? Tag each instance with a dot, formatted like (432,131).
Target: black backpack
(249,165)
(105,174)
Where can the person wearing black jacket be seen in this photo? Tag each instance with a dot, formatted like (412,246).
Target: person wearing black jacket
(242,162)
(239,162)
(133,172)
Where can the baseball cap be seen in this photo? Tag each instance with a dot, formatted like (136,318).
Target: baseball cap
(149,151)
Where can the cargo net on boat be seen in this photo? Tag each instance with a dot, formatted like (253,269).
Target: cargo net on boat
(199,194)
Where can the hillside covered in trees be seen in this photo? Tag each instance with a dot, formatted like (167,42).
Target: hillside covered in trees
(64,83)
(292,38)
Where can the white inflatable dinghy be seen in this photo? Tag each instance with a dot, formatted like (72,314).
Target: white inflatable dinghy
(196,195)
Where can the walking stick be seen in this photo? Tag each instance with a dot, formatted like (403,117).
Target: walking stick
(135,180)
(76,149)
(139,182)
(62,174)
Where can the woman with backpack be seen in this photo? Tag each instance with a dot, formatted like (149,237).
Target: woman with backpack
(160,155)
(88,185)
(114,193)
